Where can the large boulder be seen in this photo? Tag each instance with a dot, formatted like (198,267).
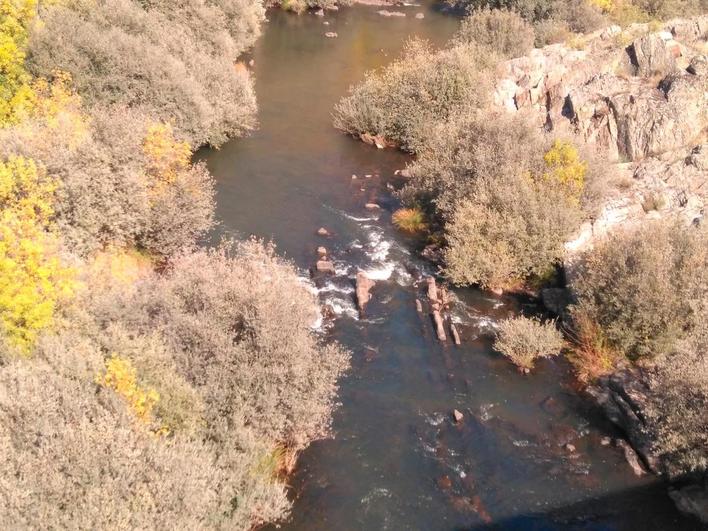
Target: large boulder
(654,54)
(633,120)
(624,398)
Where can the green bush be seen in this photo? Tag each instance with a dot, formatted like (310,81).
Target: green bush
(503,31)
(525,340)
(407,98)
(486,181)
(105,195)
(646,289)
(512,228)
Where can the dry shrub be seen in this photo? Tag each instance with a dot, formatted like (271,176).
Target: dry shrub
(591,355)
(105,195)
(467,147)
(407,98)
(504,220)
(257,359)
(221,346)
(646,288)
(502,31)
(524,340)
(410,220)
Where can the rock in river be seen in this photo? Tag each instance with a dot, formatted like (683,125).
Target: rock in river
(363,287)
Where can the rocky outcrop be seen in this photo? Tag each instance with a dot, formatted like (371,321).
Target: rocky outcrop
(633,121)
(624,398)
(610,95)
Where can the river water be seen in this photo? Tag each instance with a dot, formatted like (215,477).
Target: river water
(396,460)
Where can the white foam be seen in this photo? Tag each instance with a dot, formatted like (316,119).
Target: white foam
(403,277)
(381,271)
(380,250)
(331,287)
(342,306)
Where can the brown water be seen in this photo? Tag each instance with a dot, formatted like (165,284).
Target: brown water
(396,460)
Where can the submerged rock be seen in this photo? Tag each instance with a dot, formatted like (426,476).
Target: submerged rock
(325,266)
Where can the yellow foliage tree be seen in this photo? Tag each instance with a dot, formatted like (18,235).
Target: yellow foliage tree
(32,279)
(605,5)
(566,168)
(121,376)
(166,156)
(54,108)
(15,90)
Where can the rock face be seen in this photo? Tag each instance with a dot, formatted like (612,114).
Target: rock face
(363,287)
(624,398)
(655,53)
(610,95)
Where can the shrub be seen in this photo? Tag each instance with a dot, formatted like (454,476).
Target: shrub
(591,356)
(257,361)
(410,220)
(118,52)
(15,90)
(646,289)
(512,227)
(525,340)
(469,146)
(113,192)
(676,412)
(404,101)
(502,31)
(565,169)
(73,458)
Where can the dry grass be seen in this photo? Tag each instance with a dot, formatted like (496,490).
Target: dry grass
(410,220)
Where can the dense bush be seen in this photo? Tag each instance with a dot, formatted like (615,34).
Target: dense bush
(677,413)
(258,337)
(74,458)
(575,15)
(407,98)
(466,147)
(109,192)
(503,31)
(299,6)
(524,340)
(512,227)
(135,411)
(178,65)
(507,200)
(646,289)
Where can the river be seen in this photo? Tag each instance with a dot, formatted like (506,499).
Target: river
(396,459)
